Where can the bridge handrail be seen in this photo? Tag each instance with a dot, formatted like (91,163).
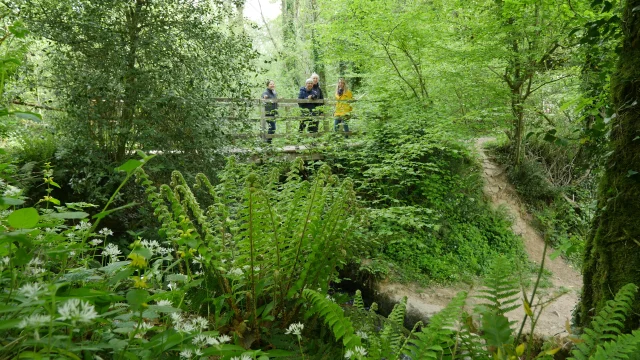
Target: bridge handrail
(284,101)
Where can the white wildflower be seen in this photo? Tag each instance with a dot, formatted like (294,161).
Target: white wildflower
(236,272)
(348,354)
(185,327)
(186,354)
(105,232)
(330,298)
(51,230)
(176,317)
(198,259)
(362,334)
(35,262)
(83,226)
(145,326)
(295,329)
(164,303)
(200,323)
(31,290)
(95,242)
(71,236)
(34,321)
(172,286)
(72,253)
(224,339)
(200,340)
(11,191)
(197,352)
(243,357)
(112,251)
(212,341)
(360,351)
(77,311)
(5,260)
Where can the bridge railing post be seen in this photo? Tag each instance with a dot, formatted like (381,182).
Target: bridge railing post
(263,123)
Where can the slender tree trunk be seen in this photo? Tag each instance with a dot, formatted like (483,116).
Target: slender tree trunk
(134,22)
(612,256)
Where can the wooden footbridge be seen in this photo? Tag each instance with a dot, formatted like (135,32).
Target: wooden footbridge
(288,118)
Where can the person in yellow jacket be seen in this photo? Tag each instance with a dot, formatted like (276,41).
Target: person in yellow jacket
(343,108)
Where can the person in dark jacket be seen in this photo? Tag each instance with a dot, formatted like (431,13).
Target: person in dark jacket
(316,85)
(308,109)
(270,108)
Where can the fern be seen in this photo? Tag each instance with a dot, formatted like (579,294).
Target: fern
(333,315)
(502,287)
(619,348)
(607,324)
(357,301)
(391,337)
(438,339)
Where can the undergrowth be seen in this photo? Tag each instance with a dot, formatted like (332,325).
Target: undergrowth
(422,191)
(556,190)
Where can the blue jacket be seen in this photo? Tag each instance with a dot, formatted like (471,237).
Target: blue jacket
(270,109)
(304,94)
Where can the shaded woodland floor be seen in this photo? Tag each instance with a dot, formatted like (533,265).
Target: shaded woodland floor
(422,302)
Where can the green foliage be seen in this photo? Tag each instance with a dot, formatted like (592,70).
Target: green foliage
(424,199)
(502,286)
(333,316)
(438,339)
(607,325)
(144,77)
(260,243)
(623,346)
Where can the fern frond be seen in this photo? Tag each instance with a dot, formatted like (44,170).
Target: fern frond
(333,315)
(391,336)
(619,348)
(437,339)
(472,344)
(606,324)
(357,301)
(502,287)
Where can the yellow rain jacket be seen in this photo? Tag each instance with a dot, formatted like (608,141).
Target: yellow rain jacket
(343,108)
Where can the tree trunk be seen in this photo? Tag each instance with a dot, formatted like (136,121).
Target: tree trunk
(134,21)
(612,256)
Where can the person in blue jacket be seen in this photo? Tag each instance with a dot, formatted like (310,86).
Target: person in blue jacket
(270,108)
(308,109)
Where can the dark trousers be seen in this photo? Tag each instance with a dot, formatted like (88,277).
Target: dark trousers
(271,129)
(341,120)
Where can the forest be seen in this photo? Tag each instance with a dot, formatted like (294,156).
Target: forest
(319,179)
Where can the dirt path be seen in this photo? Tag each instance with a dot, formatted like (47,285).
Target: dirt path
(424,302)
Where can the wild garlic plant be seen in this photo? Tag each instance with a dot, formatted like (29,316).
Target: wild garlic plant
(260,242)
(67,290)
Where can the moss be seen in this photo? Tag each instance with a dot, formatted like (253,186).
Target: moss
(612,256)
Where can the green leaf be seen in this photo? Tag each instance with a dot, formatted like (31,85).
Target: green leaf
(496,329)
(68,215)
(18,29)
(129,166)
(136,298)
(27,116)
(10,201)
(121,275)
(8,324)
(23,218)
(21,257)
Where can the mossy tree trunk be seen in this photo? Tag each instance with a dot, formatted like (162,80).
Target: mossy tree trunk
(612,257)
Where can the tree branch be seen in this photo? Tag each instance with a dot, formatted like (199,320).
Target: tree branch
(549,82)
